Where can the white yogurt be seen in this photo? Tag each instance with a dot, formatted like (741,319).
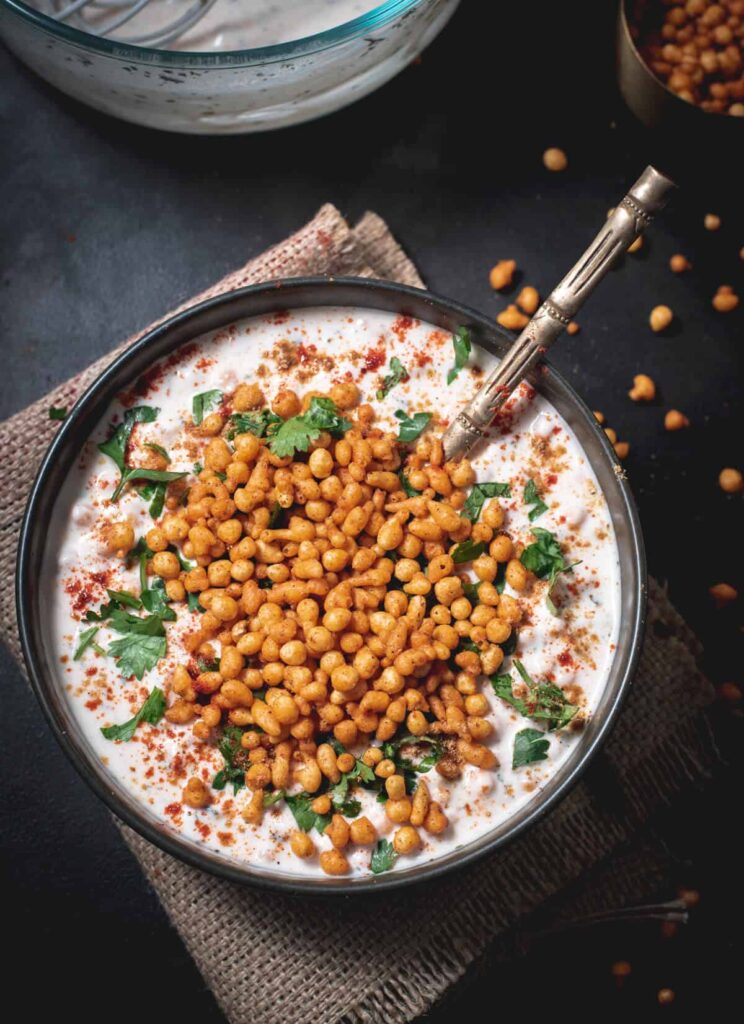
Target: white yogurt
(310,350)
(231,24)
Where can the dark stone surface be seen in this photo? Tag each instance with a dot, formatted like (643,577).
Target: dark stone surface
(103,226)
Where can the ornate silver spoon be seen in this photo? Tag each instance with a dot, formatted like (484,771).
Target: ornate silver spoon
(629,220)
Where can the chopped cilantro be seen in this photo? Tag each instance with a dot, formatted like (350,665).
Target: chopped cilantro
(159,449)
(142,643)
(297,433)
(383,857)
(116,445)
(462,346)
(543,702)
(57,412)
(398,374)
(530,745)
(151,711)
(412,427)
(409,491)
(468,550)
(546,560)
(304,815)
(258,423)
(532,497)
(86,639)
(235,757)
(477,498)
(204,403)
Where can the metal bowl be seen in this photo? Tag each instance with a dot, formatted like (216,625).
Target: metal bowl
(213,315)
(679,122)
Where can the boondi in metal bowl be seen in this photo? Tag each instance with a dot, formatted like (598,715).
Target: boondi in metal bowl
(226,80)
(285,640)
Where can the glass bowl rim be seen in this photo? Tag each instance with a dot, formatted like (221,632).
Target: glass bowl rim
(377,18)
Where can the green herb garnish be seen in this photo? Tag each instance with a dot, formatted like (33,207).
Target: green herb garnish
(530,745)
(258,423)
(204,403)
(383,857)
(546,560)
(411,427)
(544,702)
(151,711)
(468,550)
(157,448)
(409,491)
(462,346)
(86,639)
(139,473)
(235,757)
(398,374)
(477,498)
(297,433)
(531,497)
(304,815)
(116,445)
(142,643)
(57,412)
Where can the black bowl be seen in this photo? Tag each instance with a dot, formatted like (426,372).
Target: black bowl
(210,316)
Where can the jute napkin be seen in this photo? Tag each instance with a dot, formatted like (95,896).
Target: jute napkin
(280,960)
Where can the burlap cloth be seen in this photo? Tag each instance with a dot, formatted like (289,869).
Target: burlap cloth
(272,959)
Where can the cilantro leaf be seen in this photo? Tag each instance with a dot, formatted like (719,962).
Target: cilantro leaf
(532,497)
(136,654)
(57,412)
(398,374)
(529,745)
(383,857)
(468,550)
(409,491)
(304,815)
(235,757)
(546,560)
(470,590)
(543,702)
(157,448)
(477,498)
(462,345)
(259,423)
(412,426)
(86,639)
(130,473)
(204,403)
(117,599)
(275,797)
(142,644)
(116,445)
(155,601)
(151,711)
(296,434)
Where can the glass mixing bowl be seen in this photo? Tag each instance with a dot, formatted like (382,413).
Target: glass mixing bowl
(232,91)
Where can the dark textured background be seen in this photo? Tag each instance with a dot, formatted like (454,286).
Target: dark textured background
(103,226)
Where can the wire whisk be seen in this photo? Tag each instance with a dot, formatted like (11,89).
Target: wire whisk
(106,17)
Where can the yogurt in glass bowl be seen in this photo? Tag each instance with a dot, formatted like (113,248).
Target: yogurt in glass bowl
(279,64)
(494,745)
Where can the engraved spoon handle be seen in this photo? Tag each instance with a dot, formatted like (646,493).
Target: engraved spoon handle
(630,218)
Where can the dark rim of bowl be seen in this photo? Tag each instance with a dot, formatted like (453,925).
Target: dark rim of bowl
(87,411)
(377,18)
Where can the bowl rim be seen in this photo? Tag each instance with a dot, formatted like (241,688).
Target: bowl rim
(373,20)
(168,336)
